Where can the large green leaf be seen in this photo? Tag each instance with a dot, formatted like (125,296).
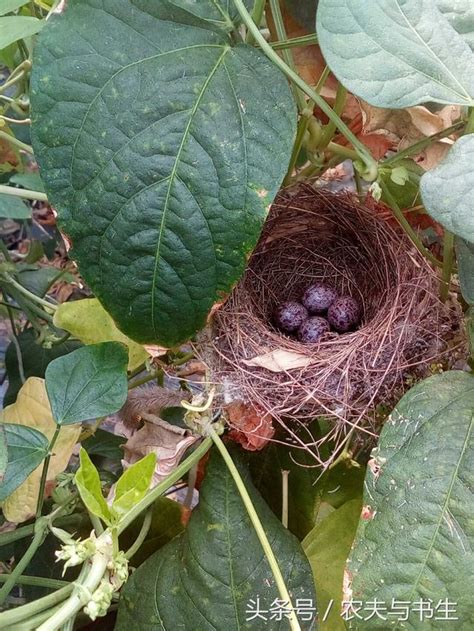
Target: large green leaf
(205,578)
(162,146)
(15,27)
(88,383)
(27,448)
(465,256)
(448,189)
(416,537)
(35,359)
(11,5)
(396,53)
(327,547)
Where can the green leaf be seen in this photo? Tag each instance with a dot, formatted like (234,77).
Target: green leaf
(30,181)
(396,53)
(448,191)
(460,14)
(13,208)
(3,453)
(39,281)
(35,359)
(27,448)
(416,537)
(90,489)
(327,547)
(104,444)
(406,193)
(465,256)
(88,383)
(470,329)
(89,321)
(165,525)
(205,578)
(13,28)
(161,146)
(133,484)
(11,5)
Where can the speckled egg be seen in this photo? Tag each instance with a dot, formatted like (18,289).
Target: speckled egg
(313,329)
(344,314)
(289,316)
(318,298)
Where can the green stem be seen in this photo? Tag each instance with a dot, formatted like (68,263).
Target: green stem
(257,16)
(96,524)
(44,473)
(340,150)
(259,530)
(371,164)
(163,486)
(405,224)
(470,121)
(330,129)
(15,342)
(17,143)
(422,144)
(33,297)
(7,538)
(300,135)
(287,54)
(39,536)
(36,581)
(32,624)
(5,251)
(14,616)
(448,262)
(22,192)
(294,42)
(144,530)
(13,79)
(145,379)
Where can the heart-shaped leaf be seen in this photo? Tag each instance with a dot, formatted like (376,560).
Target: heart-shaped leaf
(448,189)
(415,539)
(161,146)
(88,383)
(396,53)
(26,448)
(206,577)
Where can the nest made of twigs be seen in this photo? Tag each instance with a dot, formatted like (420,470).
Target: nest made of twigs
(312,236)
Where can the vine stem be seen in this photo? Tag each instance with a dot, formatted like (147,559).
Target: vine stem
(17,143)
(259,530)
(32,297)
(470,121)
(362,151)
(14,616)
(144,530)
(22,192)
(44,473)
(448,262)
(294,42)
(39,536)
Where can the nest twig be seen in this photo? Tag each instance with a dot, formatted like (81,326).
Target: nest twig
(316,236)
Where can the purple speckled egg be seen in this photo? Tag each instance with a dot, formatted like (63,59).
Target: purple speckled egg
(313,329)
(289,316)
(319,297)
(344,314)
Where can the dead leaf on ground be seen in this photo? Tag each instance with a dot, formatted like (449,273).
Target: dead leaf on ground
(279,361)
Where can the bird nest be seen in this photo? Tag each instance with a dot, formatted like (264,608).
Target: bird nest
(313,236)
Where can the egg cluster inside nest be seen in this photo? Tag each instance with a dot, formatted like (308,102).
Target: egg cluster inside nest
(316,237)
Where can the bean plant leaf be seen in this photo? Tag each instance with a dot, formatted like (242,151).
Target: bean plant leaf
(29,180)
(13,208)
(396,53)
(88,383)
(448,190)
(89,321)
(26,449)
(460,14)
(11,5)
(32,409)
(15,27)
(327,547)
(415,539)
(205,578)
(104,444)
(465,256)
(35,358)
(90,489)
(161,146)
(133,484)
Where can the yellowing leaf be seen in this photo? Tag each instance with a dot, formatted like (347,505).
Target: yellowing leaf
(279,361)
(90,322)
(33,410)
